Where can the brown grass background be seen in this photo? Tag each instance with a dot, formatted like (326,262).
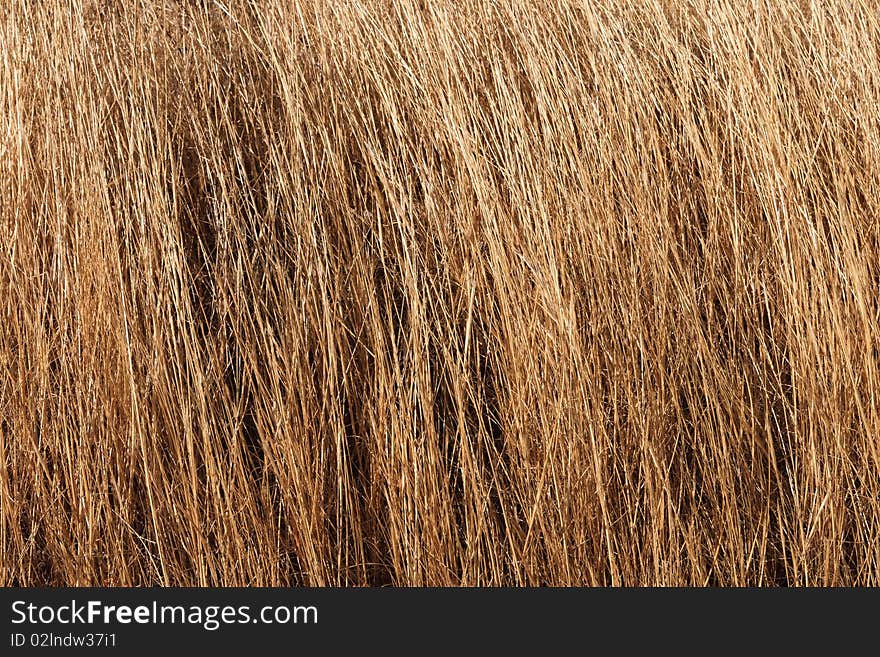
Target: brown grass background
(439,292)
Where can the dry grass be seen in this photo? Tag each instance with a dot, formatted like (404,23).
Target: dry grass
(439,292)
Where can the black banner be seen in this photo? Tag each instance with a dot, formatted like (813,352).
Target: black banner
(413,621)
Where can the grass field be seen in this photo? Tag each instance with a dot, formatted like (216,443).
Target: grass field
(440,292)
